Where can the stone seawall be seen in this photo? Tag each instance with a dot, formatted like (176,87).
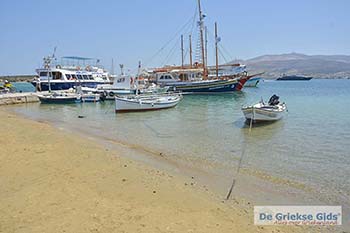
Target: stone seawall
(18,98)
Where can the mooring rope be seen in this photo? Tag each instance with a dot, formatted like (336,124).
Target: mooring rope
(241,158)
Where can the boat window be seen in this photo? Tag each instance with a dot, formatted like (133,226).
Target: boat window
(90,77)
(79,76)
(74,76)
(68,76)
(43,74)
(85,76)
(56,75)
(104,77)
(183,76)
(161,77)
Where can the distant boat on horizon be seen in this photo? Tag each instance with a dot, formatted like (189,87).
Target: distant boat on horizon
(294,78)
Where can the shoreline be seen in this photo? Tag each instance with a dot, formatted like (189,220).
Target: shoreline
(72,179)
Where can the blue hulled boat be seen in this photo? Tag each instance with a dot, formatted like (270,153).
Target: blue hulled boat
(211,86)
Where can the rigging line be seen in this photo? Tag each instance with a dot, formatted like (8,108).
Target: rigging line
(226,51)
(186,53)
(194,20)
(170,40)
(109,107)
(167,58)
(220,45)
(222,55)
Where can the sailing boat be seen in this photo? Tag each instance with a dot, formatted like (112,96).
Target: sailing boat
(56,97)
(198,77)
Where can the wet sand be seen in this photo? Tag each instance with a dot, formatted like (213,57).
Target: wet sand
(52,181)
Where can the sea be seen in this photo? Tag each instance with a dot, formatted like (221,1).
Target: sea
(302,159)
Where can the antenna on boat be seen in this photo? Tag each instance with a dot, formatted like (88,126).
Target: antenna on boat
(48,73)
(47,65)
(201,25)
(137,78)
(121,69)
(139,68)
(112,68)
(54,52)
(190,39)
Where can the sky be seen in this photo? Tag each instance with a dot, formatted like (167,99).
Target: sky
(129,31)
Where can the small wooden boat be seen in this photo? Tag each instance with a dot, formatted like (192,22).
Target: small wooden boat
(146,102)
(271,111)
(59,98)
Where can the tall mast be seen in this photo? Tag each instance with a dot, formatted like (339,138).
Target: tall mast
(190,38)
(216,51)
(202,40)
(182,51)
(206,44)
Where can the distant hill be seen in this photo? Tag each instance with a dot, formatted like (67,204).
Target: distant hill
(317,66)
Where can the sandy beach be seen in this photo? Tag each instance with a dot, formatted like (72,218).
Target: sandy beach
(52,181)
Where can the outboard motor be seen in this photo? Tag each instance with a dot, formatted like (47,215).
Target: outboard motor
(274,100)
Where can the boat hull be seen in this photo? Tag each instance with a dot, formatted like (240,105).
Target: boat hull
(294,78)
(132,105)
(65,85)
(253,82)
(211,86)
(86,98)
(260,114)
(53,100)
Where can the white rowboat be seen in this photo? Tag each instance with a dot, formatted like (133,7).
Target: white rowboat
(146,102)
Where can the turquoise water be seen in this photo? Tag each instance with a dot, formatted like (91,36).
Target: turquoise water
(310,146)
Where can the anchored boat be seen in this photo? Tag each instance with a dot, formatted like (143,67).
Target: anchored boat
(70,73)
(198,77)
(253,82)
(271,111)
(146,102)
(56,97)
(293,78)
(127,85)
(59,98)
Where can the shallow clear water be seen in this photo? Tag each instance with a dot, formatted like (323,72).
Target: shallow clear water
(311,145)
